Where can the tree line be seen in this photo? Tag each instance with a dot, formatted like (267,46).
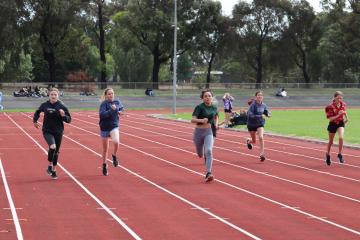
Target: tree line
(264,41)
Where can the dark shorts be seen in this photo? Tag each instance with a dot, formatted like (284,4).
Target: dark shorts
(333,127)
(227,110)
(254,129)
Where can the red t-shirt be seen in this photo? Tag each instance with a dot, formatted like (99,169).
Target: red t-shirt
(333,109)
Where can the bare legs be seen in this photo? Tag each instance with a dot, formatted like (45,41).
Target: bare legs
(340,132)
(260,133)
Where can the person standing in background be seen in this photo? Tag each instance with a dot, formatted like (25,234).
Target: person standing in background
(228,106)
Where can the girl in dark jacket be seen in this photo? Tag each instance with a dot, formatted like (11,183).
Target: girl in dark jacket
(55,113)
(109,112)
(256,121)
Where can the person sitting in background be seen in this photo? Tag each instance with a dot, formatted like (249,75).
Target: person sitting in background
(281,93)
(149,92)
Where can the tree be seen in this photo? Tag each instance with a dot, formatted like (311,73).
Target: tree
(51,21)
(132,59)
(300,31)
(15,58)
(255,24)
(339,44)
(151,22)
(212,28)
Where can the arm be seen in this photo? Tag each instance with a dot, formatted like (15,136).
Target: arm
(216,118)
(251,112)
(267,113)
(37,116)
(65,114)
(105,113)
(332,118)
(197,120)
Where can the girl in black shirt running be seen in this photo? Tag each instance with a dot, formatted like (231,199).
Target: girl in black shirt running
(55,113)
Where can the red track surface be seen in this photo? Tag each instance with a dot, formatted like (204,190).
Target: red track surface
(158,191)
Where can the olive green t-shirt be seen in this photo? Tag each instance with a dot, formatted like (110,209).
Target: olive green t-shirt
(203,111)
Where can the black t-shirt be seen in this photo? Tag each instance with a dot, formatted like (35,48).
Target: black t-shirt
(53,121)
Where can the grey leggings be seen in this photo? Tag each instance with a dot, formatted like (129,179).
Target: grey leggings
(204,141)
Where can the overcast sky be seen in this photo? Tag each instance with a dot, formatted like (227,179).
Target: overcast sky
(227,5)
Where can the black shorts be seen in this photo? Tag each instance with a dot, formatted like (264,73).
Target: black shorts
(254,129)
(333,127)
(227,110)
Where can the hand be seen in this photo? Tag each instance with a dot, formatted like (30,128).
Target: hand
(121,113)
(36,124)
(341,112)
(62,113)
(113,106)
(205,120)
(346,120)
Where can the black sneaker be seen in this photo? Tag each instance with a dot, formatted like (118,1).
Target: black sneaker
(340,157)
(115,161)
(249,145)
(104,169)
(209,177)
(49,170)
(54,175)
(262,158)
(328,160)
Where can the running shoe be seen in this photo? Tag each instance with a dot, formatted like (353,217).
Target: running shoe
(340,157)
(262,158)
(209,177)
(115,161)
(49,170)
(104,169)
(328,160)
(54,175)
(249,145)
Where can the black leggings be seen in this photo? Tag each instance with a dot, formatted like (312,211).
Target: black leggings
(53,138)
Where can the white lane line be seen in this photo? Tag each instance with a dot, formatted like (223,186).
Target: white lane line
(164,189)
(235,187)
(111,213)
(243,144)
(245,154)
(173,122)
(245,168)
(15,218)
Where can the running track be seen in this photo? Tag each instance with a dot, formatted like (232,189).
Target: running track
(158,191)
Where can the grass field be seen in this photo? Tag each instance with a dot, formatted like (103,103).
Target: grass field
(302,123)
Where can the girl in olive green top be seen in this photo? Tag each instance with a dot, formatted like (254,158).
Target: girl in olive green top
(205,116)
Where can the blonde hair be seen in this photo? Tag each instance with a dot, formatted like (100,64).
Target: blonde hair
(103,96)
(337,93)
(54,90)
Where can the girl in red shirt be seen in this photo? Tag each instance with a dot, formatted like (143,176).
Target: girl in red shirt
(336,113)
